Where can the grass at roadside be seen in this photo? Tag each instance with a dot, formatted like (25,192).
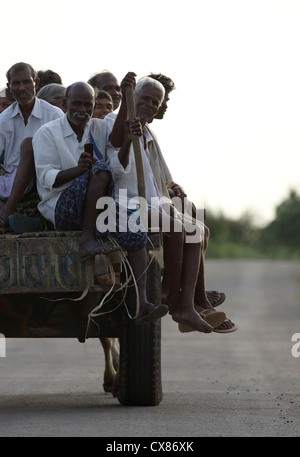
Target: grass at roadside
(230,250)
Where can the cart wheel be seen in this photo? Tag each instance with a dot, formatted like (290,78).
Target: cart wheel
(139,377)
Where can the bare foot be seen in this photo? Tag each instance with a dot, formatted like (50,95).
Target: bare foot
(190,320)
(90,247)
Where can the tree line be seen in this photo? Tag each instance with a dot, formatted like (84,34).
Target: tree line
(240,238)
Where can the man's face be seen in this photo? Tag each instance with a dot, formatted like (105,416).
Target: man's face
(80,105)
(147,103)
(103,106)
(109,83)
(163,108)
(22,86)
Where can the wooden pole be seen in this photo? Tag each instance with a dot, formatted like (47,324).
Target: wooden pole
(131,114)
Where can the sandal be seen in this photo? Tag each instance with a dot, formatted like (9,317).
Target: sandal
(226,330)
(217,302)
(213,318)
(153,312)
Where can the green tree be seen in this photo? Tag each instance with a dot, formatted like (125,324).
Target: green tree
(284,231)
(231,238)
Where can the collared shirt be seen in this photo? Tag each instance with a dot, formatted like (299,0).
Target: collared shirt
(57,148)
(126,178)
(13,129)
(159,167)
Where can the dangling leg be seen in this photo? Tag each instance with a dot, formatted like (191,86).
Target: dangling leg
(109,371)
(182,263)
(138,263)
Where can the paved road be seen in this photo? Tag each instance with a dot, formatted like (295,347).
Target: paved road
(241,384)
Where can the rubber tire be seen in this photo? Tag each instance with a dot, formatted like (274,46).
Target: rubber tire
(140,381)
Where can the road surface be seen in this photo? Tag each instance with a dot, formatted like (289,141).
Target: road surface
(244,384)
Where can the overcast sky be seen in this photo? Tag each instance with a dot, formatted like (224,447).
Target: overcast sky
(231,133)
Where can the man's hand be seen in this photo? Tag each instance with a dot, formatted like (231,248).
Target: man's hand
(128,80)
(118,133)
(135,127)
(84,162)
(177,191)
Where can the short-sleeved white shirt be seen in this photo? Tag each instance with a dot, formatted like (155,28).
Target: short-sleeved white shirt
(126,178)
(57,148)
(13,129)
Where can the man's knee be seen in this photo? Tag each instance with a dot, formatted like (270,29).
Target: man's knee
(102,177)
(105,177)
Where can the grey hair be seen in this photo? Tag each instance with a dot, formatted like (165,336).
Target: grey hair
(146,81)
(52,92)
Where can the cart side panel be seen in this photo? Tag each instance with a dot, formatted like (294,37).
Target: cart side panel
(43,264)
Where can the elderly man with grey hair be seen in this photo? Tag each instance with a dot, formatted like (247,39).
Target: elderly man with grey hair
(71,181)
(203,299)
(55,94)
(183,258)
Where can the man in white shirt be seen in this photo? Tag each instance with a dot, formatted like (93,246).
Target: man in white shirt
(184,257)
(105,80)
(19,122)
(70,181)
(203,298)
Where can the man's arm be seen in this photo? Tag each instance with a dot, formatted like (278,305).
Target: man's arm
(117,135)
(132,128)
(65,176)
(48,164)
(118,161)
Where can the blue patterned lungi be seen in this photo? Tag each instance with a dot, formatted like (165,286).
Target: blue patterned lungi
(70,208)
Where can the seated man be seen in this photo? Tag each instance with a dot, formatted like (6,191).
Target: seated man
(105,80)
(183,257)
(19,122)
(5,99)
(203,298)
(48,77)
(103,105)
(70,181)
(54,94)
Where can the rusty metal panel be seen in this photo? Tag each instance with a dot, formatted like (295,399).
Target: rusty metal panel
(43,262)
